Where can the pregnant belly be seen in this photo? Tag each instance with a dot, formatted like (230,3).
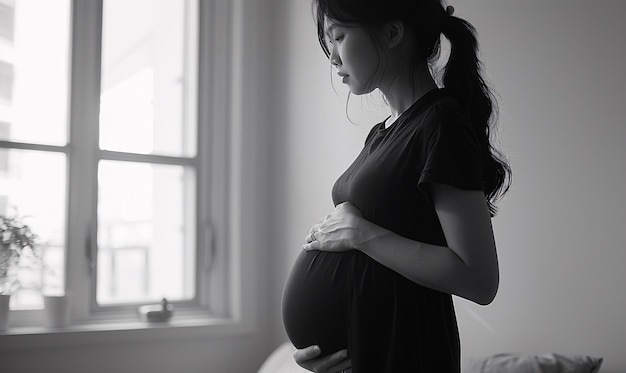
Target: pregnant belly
(316,300)
(348,300)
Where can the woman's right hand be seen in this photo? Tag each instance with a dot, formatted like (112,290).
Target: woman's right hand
(309,359)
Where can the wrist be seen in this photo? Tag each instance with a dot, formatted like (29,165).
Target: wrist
(365,233)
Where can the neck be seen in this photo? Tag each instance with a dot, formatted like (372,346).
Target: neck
(406,90)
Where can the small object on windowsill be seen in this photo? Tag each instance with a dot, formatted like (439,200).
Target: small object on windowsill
(157,312)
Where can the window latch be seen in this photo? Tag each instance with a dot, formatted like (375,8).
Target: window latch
(209,243)
(90,249)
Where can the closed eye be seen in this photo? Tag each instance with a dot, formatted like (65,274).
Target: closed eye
(336,39)
(334,34)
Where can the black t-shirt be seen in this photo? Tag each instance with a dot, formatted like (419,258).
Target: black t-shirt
(431,142)
(348,300)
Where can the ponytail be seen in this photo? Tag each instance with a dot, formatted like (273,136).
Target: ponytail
(462,78)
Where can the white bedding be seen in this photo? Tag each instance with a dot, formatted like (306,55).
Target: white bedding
(281,361)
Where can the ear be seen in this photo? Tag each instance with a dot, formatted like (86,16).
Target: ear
(394,33)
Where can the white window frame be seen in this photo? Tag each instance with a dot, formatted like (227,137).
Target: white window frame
(221,304)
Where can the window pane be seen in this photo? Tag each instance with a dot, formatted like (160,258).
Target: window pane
(145,103)
(33,185)
(145,233)
(34,58)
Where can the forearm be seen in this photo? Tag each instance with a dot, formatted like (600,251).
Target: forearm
(436,267)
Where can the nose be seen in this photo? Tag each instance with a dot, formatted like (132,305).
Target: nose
(334,57)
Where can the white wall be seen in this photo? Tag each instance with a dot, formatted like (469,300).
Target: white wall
(313,140)
(558,67)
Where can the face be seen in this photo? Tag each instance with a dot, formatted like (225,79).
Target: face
(356,57)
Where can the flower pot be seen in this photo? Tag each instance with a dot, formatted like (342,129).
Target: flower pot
(4,311)
(57,309)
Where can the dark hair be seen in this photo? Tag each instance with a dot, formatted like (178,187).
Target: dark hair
(461,76)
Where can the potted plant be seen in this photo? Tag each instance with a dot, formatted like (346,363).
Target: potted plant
(17,247)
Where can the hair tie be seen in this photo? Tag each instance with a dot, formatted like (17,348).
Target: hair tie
(450,10)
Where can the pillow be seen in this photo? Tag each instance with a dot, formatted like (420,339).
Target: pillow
(520,363)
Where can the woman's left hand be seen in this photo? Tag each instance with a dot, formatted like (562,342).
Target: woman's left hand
(338,231)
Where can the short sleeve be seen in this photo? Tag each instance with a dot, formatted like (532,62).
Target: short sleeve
(451,150)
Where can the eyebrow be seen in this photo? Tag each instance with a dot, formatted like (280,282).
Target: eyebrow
(330,29)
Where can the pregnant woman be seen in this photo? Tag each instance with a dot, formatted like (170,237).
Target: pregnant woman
(371,291)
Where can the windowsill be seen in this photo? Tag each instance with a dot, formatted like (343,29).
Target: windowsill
(117,332)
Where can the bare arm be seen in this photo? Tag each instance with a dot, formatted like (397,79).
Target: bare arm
(468,267)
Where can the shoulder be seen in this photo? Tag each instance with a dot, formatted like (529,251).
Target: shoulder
(446,117)
(445,109)
(436,109)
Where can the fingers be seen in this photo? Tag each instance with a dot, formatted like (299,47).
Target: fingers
(315,245)
(314,236)
(337,362)
(333,363)
(307,354)
(312,233)
(344,366)
(316,226)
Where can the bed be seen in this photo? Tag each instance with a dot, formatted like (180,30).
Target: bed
(281,361)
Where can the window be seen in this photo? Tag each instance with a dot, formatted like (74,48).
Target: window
(147,163)
(104,147)
(33,143)
(6,19)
